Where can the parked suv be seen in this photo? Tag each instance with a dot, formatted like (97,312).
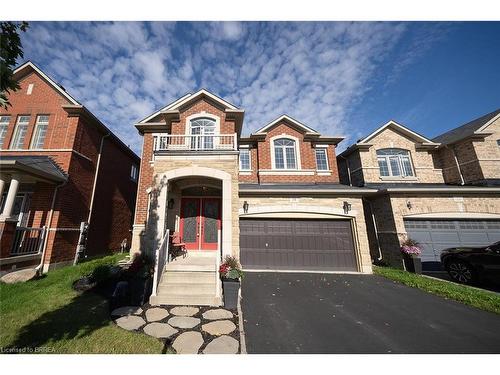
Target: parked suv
(468,265)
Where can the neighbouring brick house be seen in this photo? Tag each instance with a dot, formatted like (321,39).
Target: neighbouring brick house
(272,199)
(60,166)
(442,192)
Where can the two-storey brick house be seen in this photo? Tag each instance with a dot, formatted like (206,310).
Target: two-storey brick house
(272,199)
(440,192)
(59,166)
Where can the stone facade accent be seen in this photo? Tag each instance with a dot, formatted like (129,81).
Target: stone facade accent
(315,207)
(364,167)
(391,210)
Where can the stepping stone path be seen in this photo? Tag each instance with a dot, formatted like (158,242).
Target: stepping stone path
(184,321)
(188,343)
(187,329)
(184,311)
(217,314)
(130,322)
(155,314)
(160,330)
(222,345)
(127,310)
(19,276)
(219,327)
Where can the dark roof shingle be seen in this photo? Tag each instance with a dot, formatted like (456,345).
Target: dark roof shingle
(465,130)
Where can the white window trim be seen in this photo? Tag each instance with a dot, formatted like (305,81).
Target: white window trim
(297,152)
(6,125)
(391,176)
(202,114)
(135,176)
(11,146)
(326,156)
(249,159)
(33,137)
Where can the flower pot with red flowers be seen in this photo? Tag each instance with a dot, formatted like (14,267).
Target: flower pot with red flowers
(231,274)
(411,250)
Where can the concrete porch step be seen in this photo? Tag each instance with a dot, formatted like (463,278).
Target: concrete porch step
(187,288)
(188,277)
(193,300)
(197,263)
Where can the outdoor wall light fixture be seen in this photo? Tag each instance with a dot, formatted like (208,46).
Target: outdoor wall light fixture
(347,207)
(245,207)
(170,203)
(408,204)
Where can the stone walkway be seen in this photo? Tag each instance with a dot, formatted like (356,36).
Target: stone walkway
(185,329)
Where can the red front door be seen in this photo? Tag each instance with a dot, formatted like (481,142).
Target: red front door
(200,223)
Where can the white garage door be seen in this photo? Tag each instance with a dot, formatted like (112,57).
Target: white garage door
(436,235)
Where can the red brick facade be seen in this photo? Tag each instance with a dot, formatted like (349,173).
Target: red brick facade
(259,145)
(73,141)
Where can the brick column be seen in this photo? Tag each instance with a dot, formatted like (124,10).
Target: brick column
(7,232)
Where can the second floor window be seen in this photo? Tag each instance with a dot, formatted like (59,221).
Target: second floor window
(42,123)
(202,130)
(20,132)
(245,159)
(394,162)
(4,125)
(134,173)
(321,159)
(284,154)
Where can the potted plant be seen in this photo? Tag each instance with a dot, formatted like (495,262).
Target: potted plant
(230,273)
(410,249)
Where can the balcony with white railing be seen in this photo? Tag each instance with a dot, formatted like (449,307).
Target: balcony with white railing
(195,142)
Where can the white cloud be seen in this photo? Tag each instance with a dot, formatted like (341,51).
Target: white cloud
(314,71)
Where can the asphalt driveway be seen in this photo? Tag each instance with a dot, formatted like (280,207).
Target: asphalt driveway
(333,313)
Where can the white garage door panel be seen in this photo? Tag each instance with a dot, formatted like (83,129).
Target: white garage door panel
(436,235)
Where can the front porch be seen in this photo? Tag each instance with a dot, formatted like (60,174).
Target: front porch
(193,215)
(27,185)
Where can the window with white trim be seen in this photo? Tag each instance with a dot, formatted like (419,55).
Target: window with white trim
(42,123)
(321,159)
(20,132)
(4,125)
(285,156)
(245,164)
(134,173)
(394,162)
(202,131)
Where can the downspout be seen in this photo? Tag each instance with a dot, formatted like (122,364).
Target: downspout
(348,169)
(95,177)
(39,268)
(374,228)
(452,149)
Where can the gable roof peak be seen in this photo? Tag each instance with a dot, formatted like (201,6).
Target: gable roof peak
(29,65)
(289,119)
(401,128)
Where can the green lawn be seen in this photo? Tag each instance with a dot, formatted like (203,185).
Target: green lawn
(49,313)
(482,299)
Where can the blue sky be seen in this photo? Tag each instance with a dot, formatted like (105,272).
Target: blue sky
(340,78)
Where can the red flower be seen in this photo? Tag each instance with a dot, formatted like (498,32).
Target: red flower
(223,268)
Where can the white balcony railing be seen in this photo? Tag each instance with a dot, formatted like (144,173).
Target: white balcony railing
(195,142)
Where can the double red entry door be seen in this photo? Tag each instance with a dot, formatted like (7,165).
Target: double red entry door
(200,223)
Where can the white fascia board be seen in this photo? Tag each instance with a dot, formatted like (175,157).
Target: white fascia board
(482,128)
(402,128)
(288,118)
(48,79)
(166,108)
(203,92)
(309,191)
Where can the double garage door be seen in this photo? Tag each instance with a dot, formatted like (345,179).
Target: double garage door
(292,244)
(436,235)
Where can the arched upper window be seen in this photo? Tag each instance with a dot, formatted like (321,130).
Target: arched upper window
(202,130)
(284,154)
(394,162)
